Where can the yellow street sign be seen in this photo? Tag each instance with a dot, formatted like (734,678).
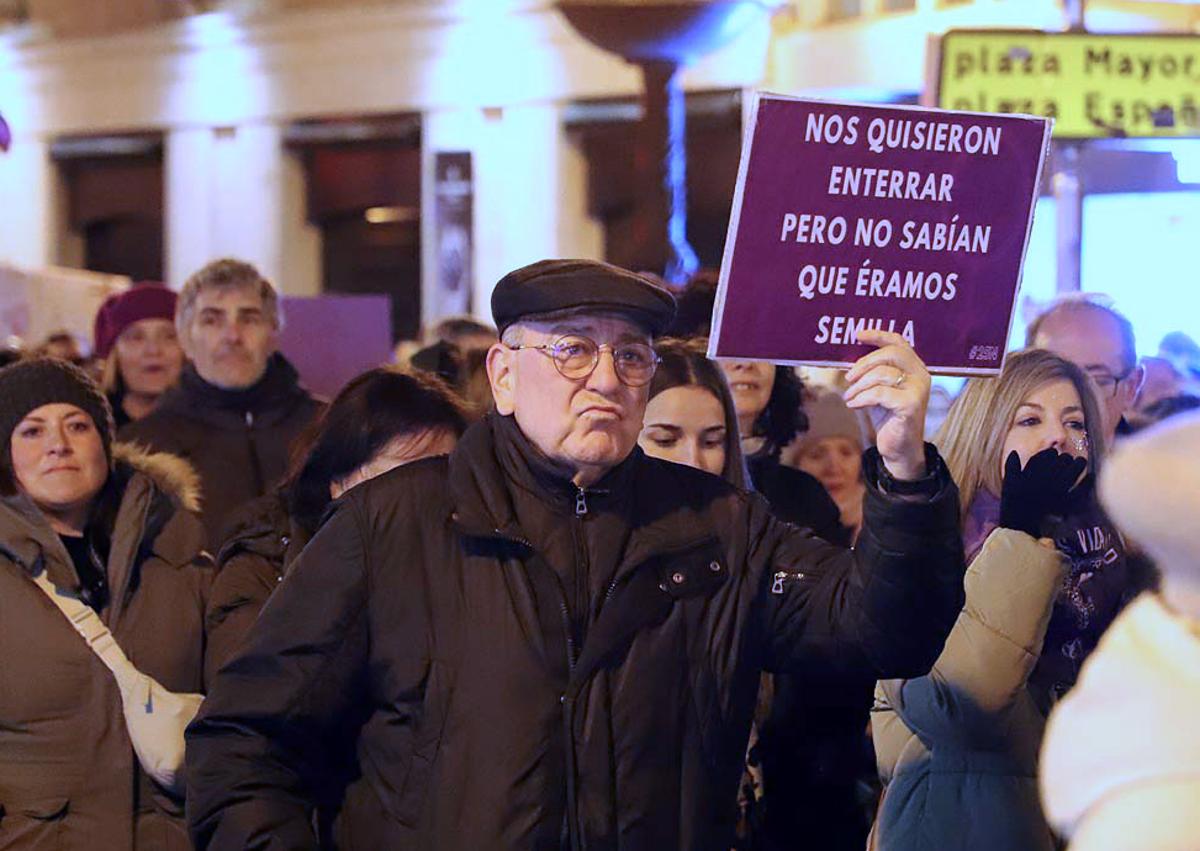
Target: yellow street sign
(1093,85)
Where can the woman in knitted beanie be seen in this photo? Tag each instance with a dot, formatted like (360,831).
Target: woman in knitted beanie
(114,529)
(135,337)
(831,451)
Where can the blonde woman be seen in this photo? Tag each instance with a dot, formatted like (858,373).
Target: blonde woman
(957,748)
(134,336)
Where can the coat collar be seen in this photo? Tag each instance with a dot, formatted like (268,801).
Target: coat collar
(153,493)
(482,487)
(495,463)
(272,397)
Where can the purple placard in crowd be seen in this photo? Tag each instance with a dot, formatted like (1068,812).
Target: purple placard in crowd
(907,219)
(332,338)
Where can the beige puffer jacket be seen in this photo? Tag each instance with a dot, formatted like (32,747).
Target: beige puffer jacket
(957,748)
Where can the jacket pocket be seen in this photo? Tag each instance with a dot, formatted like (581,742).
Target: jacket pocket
(695,572)
(35,825)
(692,576)
(439,690)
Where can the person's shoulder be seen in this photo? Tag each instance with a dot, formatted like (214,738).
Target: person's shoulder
(257,527)
(171,475)
(418,485)
(309,405)
(402,514)
(793,494)
(140,429)
(789,477)
(162,429)
(682,485)
(803,485)
(244,577)
(170,526)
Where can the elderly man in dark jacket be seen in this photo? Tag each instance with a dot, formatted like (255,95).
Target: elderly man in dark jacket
(549,640)
(239,404)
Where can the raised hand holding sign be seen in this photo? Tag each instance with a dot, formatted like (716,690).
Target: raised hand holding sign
(849,217)
(895,379)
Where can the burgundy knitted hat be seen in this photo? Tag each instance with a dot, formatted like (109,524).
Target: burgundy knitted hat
(144,300)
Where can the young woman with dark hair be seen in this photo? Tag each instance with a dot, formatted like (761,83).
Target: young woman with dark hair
(768,400)
(690,418)
(380,420)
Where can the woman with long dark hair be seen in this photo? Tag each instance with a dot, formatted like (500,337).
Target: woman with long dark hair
(380,420)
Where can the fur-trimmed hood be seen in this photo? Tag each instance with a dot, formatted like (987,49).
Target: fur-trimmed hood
(145,509)
(171,474)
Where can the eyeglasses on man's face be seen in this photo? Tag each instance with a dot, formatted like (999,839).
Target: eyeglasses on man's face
(1107,382)
(576,357)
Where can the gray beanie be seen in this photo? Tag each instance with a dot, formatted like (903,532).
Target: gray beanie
(27,385)
(828,416)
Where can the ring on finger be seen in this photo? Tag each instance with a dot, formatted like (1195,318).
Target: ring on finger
(900,379)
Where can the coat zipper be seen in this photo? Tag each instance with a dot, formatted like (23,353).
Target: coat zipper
(783,576)
(582,580)
(255,463)
(567,702)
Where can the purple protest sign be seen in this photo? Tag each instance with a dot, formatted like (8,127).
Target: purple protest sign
(849,216)
(332,338)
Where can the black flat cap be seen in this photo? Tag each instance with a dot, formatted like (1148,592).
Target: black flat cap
(558,286)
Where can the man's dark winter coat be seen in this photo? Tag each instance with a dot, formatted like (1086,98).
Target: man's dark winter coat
(237,440)
(798,498)
(262,542)
(528,666)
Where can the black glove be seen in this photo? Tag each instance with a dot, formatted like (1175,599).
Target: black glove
(1030,497)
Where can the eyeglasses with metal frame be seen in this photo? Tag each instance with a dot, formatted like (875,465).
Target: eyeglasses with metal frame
(576,357)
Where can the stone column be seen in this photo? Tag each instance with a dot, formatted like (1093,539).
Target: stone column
(29,212)
(237,192)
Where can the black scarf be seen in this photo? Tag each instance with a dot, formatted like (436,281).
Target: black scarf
(1093,593)
(532,470)
(279,382)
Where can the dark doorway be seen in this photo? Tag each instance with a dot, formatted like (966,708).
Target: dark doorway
(115,201)
(364,193)
(605,132)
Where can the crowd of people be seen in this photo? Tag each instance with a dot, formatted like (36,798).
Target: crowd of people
(566,583)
